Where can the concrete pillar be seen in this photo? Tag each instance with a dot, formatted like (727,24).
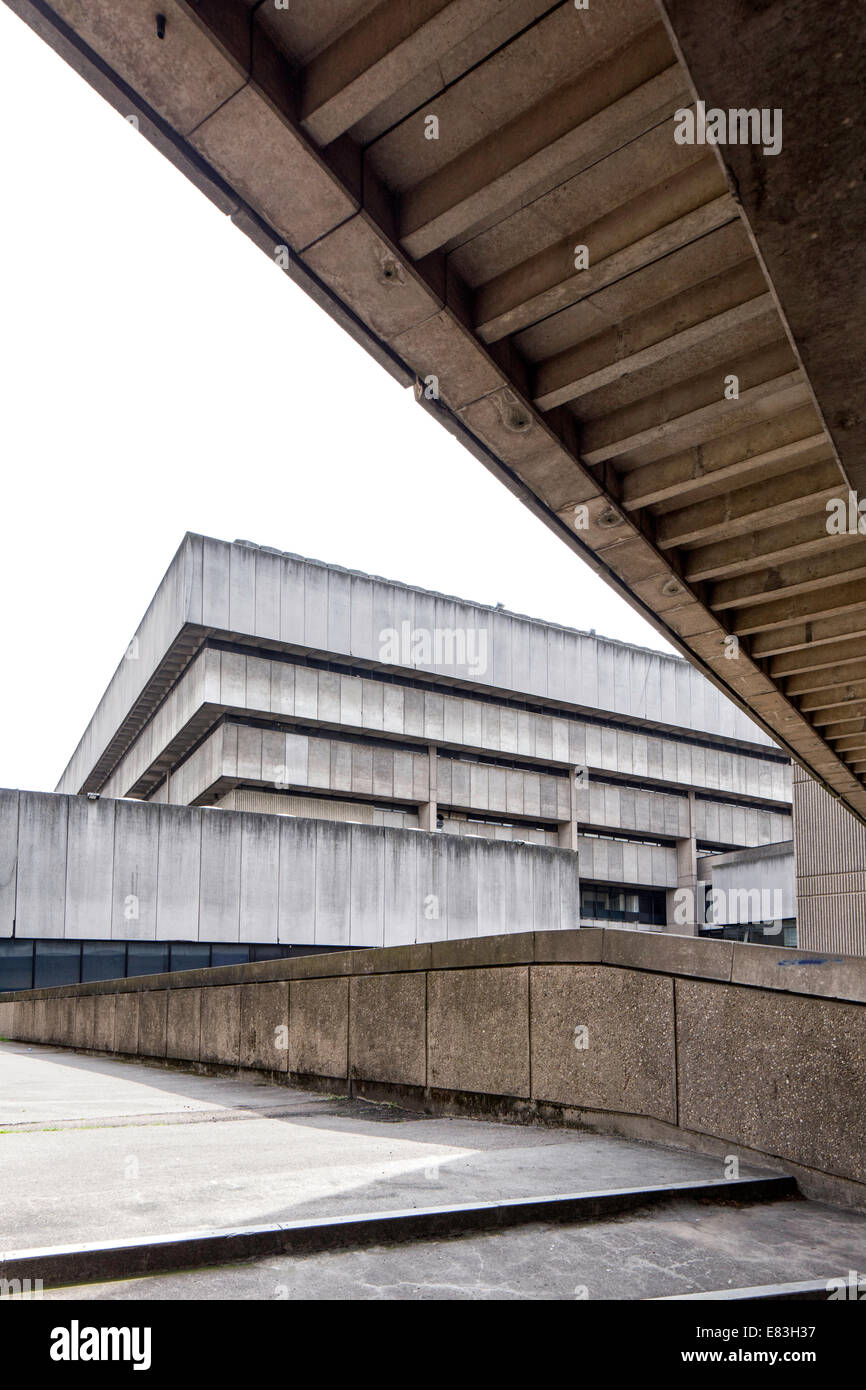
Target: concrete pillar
(682,903)
(428,811)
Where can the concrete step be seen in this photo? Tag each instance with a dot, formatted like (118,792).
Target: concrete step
(65,1264)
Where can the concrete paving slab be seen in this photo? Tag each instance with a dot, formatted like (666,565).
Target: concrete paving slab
(688,1247)
(93,1149)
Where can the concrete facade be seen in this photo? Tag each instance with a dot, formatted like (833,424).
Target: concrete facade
(264,682)
(119,871)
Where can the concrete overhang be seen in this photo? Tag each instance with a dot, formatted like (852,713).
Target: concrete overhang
(430,173)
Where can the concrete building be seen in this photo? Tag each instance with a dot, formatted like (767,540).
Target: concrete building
(261,681)
(295,756)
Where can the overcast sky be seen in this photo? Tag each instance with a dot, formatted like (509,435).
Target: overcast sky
(161,375)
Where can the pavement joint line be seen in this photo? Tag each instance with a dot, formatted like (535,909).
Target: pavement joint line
(94,1262)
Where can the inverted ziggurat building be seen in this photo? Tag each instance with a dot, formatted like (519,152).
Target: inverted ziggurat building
(292,755)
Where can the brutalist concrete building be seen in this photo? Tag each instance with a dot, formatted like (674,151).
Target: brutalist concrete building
(292,726)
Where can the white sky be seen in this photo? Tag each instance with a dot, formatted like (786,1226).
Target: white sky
(159,375)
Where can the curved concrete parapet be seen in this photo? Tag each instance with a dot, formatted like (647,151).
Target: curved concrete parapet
(752,1051)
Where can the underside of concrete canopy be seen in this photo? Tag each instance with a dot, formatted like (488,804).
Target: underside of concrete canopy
(657,345)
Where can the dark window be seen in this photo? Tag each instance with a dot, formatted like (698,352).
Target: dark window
(16,964)
(57,963)
(627,905)
(223,953)
(189,955)
(268,952)
(103,960)
(147,958)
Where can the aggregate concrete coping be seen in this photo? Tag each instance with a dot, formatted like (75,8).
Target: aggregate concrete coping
(787,969)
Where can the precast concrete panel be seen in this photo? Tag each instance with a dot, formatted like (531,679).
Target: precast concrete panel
(333,865)
(362,769)
(472,724)
(242,590)
(316,608)
(178,874)
(329,697)
(298,862)
(339,611)
(432,879)
(350,700)
(306,693)
(134,884)
(249,753)
(219,915)
(393,716)
(434,717)
(362,620)
(89,869)
(413,713)
(503,628)
(258,688)
(215,583)
(401,889)
(292,581)
(372,705)
(366,886)
(452,726)
(41,892)
(461,911)
(259,878)
(233,680)
(493,905)
(267,610)
(8,859)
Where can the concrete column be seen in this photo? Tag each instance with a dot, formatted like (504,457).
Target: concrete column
(682,913)
(428,811)
(567,829)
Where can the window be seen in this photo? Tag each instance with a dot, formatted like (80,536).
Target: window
(56,963)
(103,960)
(16,964)
(147,958)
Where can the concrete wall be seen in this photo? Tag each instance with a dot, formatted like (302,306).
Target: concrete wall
(765,875)
(302,604)
(831,871)
(72,867)
(727,1048)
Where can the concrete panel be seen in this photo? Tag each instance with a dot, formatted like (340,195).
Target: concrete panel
(178,873)
(84,1024)
(103,1022)
(297,920)
(219,910)
(153,1023)
(220,1024)
(183,1028)
(8,860)
(628,1063)
(478,1030)
(387,1031)
(126,1012)
(136,853)
(400,889)
(89,867)
(333,866)
(319,1027)
(259,878)
(366,887)
(41,892)
(794,1085)
(264,1026)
